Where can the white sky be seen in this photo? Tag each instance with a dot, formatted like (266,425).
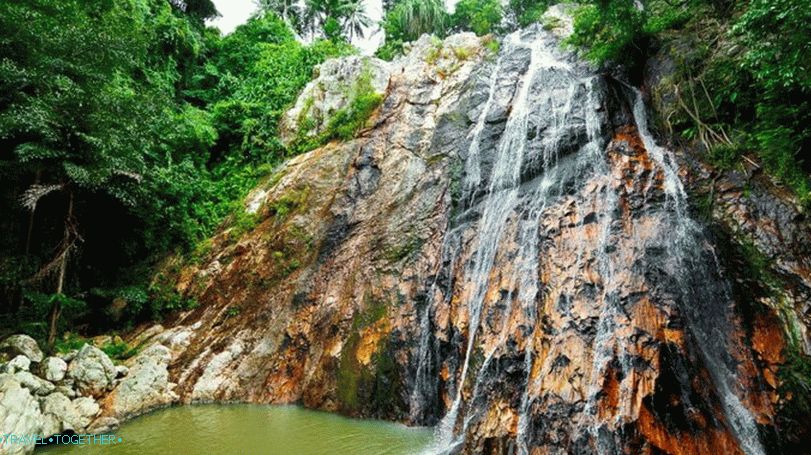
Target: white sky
(236,12)
(232,13)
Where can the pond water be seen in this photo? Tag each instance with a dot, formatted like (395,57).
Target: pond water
(255,429)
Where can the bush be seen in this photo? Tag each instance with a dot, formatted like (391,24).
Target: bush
(526,12)
(119,350)
(479,16)
(607,30)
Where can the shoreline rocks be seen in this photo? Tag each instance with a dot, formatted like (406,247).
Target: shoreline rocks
(50,395)
(21,345)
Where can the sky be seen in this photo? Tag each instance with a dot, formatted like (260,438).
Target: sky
(236,12)
(232,13)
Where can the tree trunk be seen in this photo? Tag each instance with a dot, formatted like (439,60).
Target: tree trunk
(56,305)
(29,235)
(30,232)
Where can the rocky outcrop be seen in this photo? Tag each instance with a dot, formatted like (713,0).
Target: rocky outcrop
(53,395)
(506,252)
(763,222)
(332,90)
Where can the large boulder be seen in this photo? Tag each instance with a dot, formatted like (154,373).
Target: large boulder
(53,369)
(19,363)
(21,345)
(92,371)
(19,413)
(87,409)
(36,385)
(60,415)
(145,387)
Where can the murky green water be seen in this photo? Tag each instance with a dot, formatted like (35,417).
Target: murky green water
(256,429)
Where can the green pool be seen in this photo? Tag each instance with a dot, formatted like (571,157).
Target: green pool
(256,429)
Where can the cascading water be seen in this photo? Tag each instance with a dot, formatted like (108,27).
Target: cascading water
(698,301)
(553,141)
(554,82)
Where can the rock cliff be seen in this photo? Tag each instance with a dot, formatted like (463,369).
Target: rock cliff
(505,252)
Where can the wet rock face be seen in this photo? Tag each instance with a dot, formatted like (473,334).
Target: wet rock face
(506,253)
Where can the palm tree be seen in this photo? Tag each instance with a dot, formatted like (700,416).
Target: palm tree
(315,15)
(411,18)
(350,14)
(355,19)
(288,10)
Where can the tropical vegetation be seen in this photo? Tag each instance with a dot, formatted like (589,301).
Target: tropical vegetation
(130,130)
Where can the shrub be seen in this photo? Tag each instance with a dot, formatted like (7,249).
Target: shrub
(479,16)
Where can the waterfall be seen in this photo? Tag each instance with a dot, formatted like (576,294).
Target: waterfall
(553,142)
(554,83)
(698,303)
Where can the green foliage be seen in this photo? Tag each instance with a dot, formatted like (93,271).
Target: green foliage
(287,265)
(617,30)
(94,122)
(39,304)
(408,20)
(335,20)
(119,350)
(526,12)
(725,156)
(288,202)
(346,122)
(742,82)
(198,10)
(479,16)
(492,45)
(607,29)
(164,299)
(243,222)
(70,342)
(795,387)
(776,36)
(289,11)
(262,87)
(153,126)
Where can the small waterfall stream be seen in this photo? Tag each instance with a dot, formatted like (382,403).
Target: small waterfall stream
(705,311)
(553,141)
